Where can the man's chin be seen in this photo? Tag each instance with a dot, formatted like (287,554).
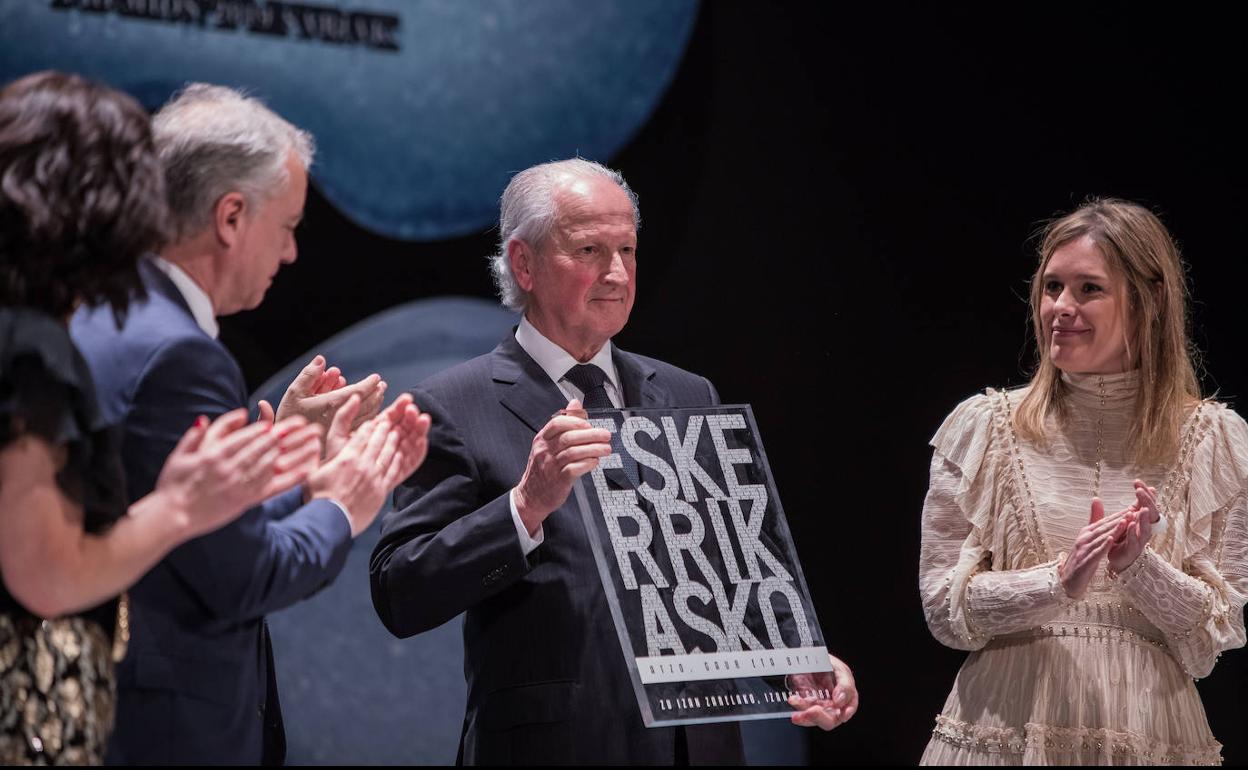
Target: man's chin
(611,312)
(249,304)
(257,300)
(613,326)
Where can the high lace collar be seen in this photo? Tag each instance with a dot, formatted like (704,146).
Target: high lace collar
(1095,389)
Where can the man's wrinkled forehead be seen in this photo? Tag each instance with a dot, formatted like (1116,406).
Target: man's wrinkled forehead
(577,186)
(581,200)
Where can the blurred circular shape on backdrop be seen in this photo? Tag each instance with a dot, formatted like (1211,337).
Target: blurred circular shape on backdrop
(422,109)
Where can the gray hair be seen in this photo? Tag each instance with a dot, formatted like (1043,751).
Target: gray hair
(528,210)
(214,140)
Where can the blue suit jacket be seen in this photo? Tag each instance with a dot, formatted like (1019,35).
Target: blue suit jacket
(547,680)
(198,684)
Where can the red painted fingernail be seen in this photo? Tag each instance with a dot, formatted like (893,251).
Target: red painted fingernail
(201,421)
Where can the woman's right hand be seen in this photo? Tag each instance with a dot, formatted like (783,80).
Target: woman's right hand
(221,469)
(1090,547)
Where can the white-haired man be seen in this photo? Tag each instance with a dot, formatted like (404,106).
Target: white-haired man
(484,527)
(198,685)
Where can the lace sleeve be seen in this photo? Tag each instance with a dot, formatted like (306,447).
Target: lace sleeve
(1194,585)
(1198,608)
(965,602)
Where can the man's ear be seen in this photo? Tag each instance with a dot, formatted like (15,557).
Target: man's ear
(228,217)
(521,257)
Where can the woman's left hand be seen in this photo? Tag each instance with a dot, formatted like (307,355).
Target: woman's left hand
(1144,514)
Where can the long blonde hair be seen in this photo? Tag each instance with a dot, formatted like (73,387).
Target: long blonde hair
(1139,251)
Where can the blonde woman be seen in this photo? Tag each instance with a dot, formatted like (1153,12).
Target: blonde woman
(1084,536)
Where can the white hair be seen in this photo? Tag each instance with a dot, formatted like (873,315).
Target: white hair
(214,140)
(528,210)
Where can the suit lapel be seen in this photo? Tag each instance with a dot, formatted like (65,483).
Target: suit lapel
(638,382)
(156,282)
(641,391)
(524,388)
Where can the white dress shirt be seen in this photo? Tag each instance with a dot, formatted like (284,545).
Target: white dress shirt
(196,298)
(556,362)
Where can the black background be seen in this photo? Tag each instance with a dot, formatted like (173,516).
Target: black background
(837,207)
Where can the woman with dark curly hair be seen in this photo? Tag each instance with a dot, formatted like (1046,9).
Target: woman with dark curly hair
(81,199)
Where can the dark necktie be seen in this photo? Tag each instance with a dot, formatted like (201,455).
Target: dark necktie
(591,381)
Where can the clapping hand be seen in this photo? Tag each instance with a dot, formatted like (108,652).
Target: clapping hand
(318,393)
(221,469)
(1091,545)
(1140,517)
(364,465)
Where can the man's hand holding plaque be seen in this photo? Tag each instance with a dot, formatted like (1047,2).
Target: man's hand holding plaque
(825,713)
(565,449)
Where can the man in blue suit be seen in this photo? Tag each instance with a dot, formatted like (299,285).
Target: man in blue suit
(484,526)
(198,684)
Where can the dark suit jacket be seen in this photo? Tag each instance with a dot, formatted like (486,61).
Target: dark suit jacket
(198,684)
(547,680)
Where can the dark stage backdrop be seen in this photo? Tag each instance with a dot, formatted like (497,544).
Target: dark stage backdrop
(837,206)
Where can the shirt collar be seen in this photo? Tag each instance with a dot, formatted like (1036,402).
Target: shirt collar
(196,298)
(556,361)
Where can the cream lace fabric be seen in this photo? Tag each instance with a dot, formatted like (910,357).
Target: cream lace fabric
(1103,680)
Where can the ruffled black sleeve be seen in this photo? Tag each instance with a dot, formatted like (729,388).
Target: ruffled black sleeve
(46,390)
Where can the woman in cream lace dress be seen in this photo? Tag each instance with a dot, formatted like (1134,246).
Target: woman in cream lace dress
(1087,621)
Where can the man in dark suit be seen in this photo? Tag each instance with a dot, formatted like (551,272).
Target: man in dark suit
(198,684)
(485,526)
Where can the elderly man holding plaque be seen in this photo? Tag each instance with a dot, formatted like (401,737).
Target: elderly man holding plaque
(485,526)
